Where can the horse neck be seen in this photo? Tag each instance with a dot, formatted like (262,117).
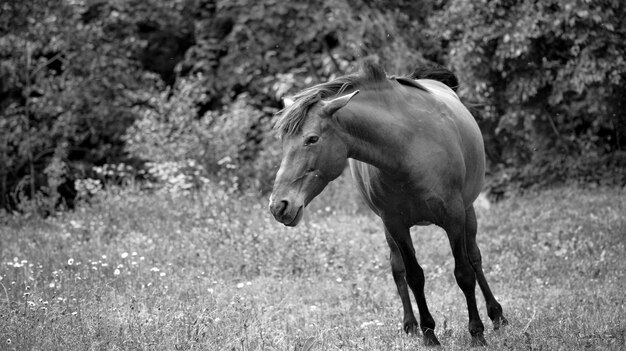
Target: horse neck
(372,136)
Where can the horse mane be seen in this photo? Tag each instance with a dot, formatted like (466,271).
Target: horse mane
(436,72)
(371,74)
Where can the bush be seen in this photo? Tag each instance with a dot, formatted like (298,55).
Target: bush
(549,81)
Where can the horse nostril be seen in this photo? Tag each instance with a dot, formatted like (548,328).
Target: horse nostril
(278,208)
(282,207)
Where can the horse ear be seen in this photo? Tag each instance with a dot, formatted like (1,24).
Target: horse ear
(287,102)
(330,107)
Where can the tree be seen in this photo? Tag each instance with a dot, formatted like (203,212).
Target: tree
(549,78)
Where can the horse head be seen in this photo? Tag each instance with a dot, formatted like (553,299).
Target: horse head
(313,155)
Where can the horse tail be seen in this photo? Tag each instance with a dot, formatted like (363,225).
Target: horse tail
(436,72)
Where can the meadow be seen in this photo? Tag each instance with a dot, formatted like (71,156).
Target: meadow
(211,270)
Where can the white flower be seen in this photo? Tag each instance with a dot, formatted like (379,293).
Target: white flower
(116,272)
(70,262)
(124,254)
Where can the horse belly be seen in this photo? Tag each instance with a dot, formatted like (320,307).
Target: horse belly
(387,197)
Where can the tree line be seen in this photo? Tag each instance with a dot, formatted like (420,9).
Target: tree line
(87,83)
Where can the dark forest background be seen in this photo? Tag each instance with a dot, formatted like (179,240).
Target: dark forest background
(97,92)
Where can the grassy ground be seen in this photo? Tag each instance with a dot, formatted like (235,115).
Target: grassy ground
(213,272)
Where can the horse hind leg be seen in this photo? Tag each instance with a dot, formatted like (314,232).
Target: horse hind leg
(494,309)
(409,273)
(454,225)
(397,269)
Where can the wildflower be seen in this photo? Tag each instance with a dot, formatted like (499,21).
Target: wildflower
(240,285)
(74,313)
(104,257)
(210,290)
(162,274)
(76,224)
(70,262)
(8,341)
(154,269)
(116,272)
(134,253)
(124,254)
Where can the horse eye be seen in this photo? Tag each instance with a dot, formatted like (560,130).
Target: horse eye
(312,139)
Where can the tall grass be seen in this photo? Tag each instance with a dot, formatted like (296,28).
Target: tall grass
(213,271)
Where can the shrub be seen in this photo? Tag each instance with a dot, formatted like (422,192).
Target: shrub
(548,78)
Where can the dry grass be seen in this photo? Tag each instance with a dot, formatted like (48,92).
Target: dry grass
(212,272)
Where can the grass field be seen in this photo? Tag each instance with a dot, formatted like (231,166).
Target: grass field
(132,271)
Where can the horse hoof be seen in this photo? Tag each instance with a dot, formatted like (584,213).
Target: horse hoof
(430,339)
(410,328)
(478,340)
(500,322)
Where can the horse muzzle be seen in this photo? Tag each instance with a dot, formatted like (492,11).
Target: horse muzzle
(286,212)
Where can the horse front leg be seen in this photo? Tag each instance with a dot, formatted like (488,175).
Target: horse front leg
(398,233)
(397,270)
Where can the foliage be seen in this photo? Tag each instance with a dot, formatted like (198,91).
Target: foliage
(550,79)
(86,83)
(70,85)
(171,131)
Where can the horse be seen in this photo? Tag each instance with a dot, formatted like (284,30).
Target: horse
(417,156)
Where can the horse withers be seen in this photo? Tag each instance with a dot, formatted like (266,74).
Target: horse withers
(417,156)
